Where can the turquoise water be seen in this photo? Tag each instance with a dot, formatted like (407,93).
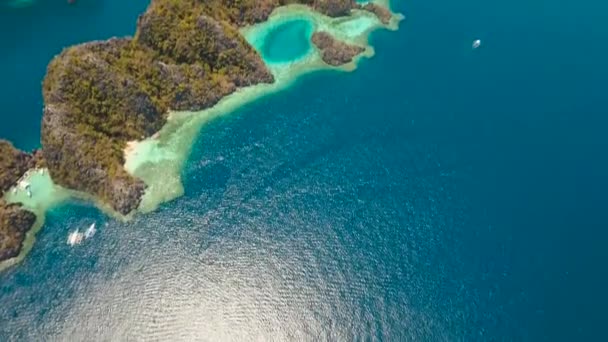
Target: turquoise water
(435,194)
(287,42)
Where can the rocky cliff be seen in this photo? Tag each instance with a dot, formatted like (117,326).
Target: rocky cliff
(334,52)
(14,221)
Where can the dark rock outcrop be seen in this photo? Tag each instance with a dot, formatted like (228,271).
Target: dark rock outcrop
(14,224)
(14,221)
(334,52)
(13,164)
(381,12)
(334,8)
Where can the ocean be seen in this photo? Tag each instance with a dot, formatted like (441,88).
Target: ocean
(437,193)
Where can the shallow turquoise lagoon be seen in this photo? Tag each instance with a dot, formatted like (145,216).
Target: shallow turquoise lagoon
(287,42)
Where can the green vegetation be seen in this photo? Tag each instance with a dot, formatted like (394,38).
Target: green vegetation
(14,224)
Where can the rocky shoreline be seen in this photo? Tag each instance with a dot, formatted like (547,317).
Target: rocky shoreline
(383,13)
(15,221)
(333,51)
(185,56)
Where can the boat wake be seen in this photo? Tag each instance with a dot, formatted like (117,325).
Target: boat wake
(76,237)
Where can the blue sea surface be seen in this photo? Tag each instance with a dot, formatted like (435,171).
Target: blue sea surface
(438,193)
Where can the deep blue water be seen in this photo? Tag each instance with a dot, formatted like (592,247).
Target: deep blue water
(438,193)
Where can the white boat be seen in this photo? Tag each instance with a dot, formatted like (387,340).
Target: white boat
(75,238)
(90,231)
(476,43)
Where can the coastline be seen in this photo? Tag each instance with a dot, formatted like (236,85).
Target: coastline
(171,146)
(27,245)
(159,160)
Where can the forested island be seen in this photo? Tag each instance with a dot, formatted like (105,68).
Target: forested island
(186,55)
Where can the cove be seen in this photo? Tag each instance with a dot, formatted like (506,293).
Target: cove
(287,42)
